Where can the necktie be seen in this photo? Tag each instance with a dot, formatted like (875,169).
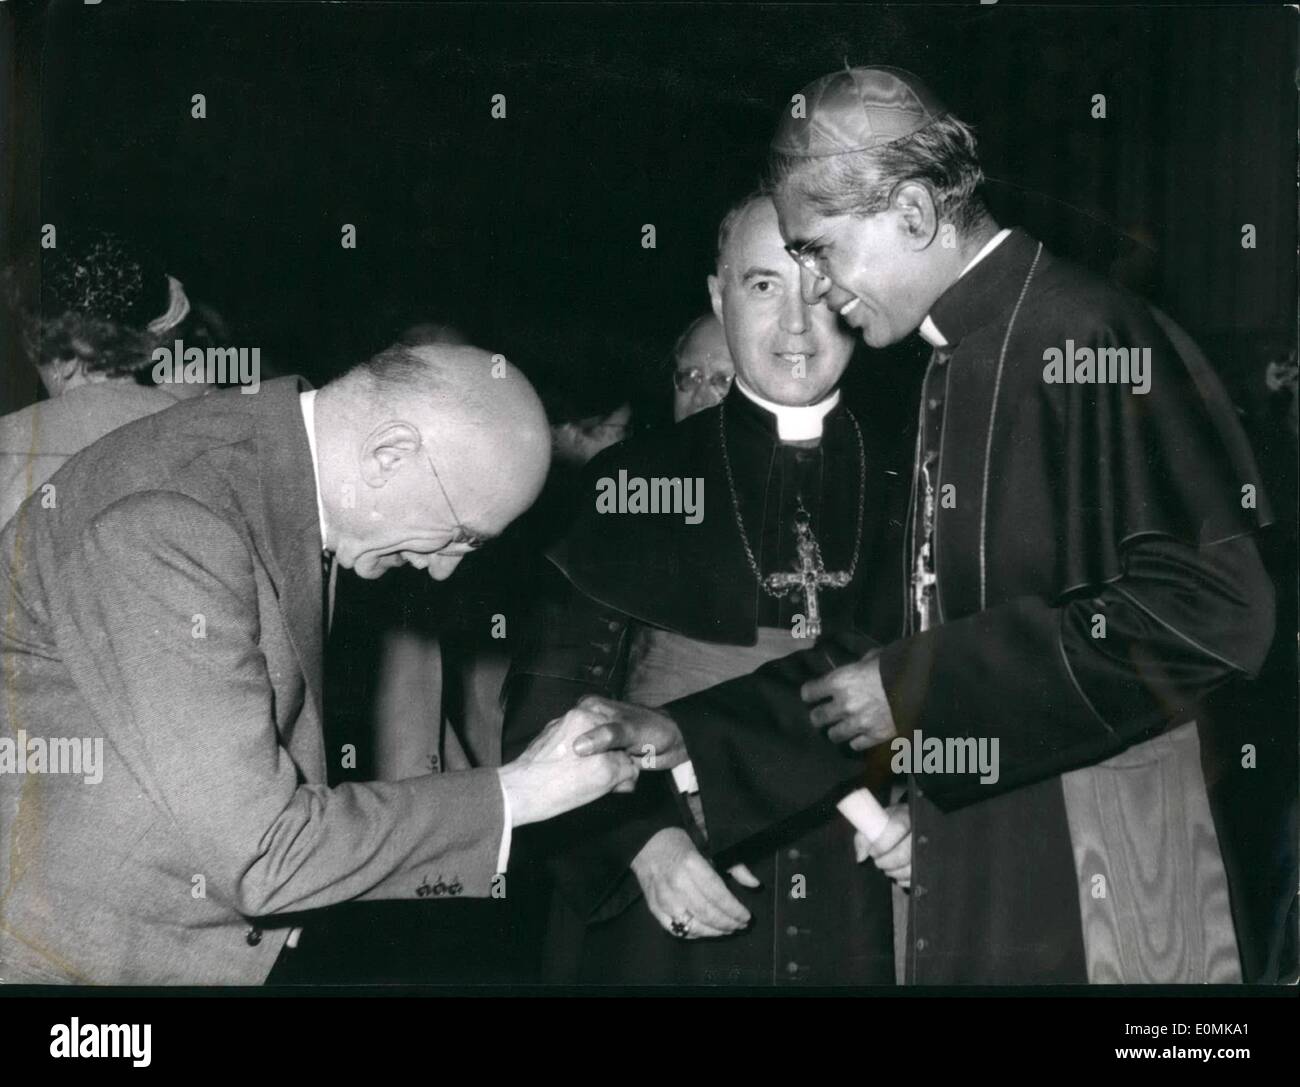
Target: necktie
(329,571)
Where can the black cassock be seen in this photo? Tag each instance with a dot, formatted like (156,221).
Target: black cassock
(651,593)
(1054,504)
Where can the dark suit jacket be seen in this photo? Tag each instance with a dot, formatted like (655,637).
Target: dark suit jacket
(170,606)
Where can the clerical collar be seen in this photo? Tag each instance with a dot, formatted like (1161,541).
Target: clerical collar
(794,422)
(307,402)
(929,330)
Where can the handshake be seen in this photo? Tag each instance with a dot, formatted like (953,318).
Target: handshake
(601,745)
(598,747)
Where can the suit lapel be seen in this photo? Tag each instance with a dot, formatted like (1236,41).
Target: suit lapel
(292,525)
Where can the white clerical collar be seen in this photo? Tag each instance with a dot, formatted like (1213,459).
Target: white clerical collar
(307,402)
(929,330)
(794,422)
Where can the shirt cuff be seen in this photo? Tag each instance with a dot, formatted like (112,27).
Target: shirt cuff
(503,854)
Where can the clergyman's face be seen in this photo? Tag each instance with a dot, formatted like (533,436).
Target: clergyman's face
(783,348)
(868,258)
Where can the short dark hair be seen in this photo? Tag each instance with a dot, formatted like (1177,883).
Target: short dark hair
(394,372)
(942,154)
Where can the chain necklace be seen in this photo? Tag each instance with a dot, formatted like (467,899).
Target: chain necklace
(811,573)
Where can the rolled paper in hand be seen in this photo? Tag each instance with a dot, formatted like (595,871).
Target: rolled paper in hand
(863,810)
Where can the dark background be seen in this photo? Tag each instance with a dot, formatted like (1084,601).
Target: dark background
(526,231)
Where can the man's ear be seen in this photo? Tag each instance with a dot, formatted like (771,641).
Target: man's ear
(385,449)
(715,296)
(919,216)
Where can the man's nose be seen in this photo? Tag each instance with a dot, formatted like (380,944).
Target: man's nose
(441,567)
(794,314)
(812,287)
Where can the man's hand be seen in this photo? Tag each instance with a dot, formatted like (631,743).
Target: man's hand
(892,851)
(549,778)
(681,886)
(853,703)
(650,738)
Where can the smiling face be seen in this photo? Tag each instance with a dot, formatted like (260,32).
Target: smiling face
(881,267)
(783,348)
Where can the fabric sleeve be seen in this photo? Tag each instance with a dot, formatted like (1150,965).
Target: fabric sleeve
(580,648)
(758,758)
(1067,686)
(163,627)
(1179,622)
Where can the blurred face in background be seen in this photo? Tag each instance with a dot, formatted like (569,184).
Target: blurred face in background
(704,370)
(577,441)
(784,349)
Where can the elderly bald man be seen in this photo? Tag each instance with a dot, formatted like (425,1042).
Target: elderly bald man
(166,811)
(703,369)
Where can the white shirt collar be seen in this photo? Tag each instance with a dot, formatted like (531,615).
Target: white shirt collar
(794,422)
(929,330)
(307,402)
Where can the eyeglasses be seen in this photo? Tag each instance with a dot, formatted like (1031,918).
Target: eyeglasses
(462,536)
(808,256)
(688,380)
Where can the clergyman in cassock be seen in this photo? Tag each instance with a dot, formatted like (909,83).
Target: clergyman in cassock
(1081,570)
(786,531)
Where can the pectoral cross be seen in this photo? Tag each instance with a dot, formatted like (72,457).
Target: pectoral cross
(808,577)
(924,578)
(923,582)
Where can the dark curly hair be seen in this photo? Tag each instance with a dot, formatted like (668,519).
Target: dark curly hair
(97,297)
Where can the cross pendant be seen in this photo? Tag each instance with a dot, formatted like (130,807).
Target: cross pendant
(808,577)
(923,582)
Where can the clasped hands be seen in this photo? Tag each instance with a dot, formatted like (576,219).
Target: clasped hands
(848,702)
(683,891)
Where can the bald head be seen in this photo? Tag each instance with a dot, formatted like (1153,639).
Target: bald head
(424,453)
(704,369)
